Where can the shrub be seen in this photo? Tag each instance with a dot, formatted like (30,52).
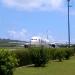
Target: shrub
(59,54)
(8,62)
(24,57)
(39,56)
(68,53)
(52,53)
(74,50)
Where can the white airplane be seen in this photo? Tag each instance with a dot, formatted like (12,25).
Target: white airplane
(37,41)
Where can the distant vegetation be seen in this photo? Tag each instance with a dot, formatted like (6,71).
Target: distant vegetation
(10,43)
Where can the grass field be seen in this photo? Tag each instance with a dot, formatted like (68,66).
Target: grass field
(66,67)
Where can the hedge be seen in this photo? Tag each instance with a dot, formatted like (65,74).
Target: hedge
(39,56)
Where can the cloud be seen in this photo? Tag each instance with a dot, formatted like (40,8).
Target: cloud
(34,4)
(18,35)
(48,35)
(55,4)
(44,5)
(24,35)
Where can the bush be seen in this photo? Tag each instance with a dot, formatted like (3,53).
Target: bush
(59,54)
(8,62)
(52,53)
(39,56)
(68,53)
(24,57)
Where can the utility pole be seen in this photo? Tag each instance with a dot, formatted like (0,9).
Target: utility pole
(68,5)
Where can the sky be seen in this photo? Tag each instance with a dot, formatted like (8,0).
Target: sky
(22,19)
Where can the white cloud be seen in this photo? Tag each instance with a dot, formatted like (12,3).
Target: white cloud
(47,35)
(34,4)
(18,35)
(44,5)
(55,4)
(26,36)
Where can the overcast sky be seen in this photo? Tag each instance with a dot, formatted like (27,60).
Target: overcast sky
(22,19)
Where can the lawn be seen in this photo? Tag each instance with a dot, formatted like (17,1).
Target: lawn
(66,67)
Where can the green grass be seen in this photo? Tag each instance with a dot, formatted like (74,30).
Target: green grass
(66,67)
